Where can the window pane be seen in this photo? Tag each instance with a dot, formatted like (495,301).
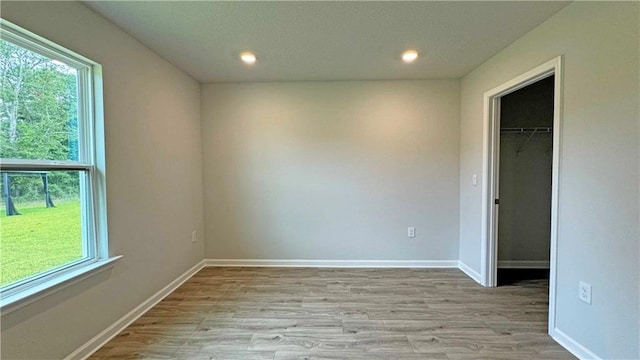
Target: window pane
(38,106)
(40,223)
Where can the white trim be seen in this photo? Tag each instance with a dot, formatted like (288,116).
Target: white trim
(39,44)
(572,346)
(36,165)
(470,272)
(491,129)
(58,281)
(93,345)
(555,186)
(523,264)
(333,263)
(489,156)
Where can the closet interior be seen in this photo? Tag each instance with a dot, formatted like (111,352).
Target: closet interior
(524,183)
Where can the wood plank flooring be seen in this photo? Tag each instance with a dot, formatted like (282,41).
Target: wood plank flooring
(330,314)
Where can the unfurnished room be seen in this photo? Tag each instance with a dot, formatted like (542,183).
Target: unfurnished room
(323,180)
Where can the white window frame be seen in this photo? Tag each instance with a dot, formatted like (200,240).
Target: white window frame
(90,165)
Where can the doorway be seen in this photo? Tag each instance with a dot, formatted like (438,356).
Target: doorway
(550,72)
(524,184)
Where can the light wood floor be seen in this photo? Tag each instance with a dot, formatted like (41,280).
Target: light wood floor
(305,313)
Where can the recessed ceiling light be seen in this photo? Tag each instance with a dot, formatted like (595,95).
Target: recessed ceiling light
(248,58)
(410,56)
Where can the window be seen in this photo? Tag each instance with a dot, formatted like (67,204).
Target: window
(53,217)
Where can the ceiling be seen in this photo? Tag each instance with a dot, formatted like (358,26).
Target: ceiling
(297,41)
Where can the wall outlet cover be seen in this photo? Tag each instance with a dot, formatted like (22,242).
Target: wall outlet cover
(584,292)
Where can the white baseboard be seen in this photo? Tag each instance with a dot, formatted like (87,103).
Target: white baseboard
(334,263)
(523,264)
(109,333)
(573,346)
(470,272)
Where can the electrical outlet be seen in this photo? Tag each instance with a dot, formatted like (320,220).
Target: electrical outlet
(584,292)
(194,237)
(411,232)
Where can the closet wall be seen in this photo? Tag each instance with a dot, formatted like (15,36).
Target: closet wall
(525,176)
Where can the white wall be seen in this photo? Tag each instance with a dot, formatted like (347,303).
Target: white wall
(154,182)
(331,170)
(598,215)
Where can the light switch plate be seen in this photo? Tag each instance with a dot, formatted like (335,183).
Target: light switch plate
(411,232)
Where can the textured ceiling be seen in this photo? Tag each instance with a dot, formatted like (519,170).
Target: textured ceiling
(297,41)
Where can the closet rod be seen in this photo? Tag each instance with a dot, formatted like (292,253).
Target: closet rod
(527,130)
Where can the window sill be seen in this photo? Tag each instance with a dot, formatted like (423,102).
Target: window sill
(30,295)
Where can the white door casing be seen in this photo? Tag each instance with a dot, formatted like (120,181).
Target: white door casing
(490,168)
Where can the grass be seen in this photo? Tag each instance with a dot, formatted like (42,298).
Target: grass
(39,239)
